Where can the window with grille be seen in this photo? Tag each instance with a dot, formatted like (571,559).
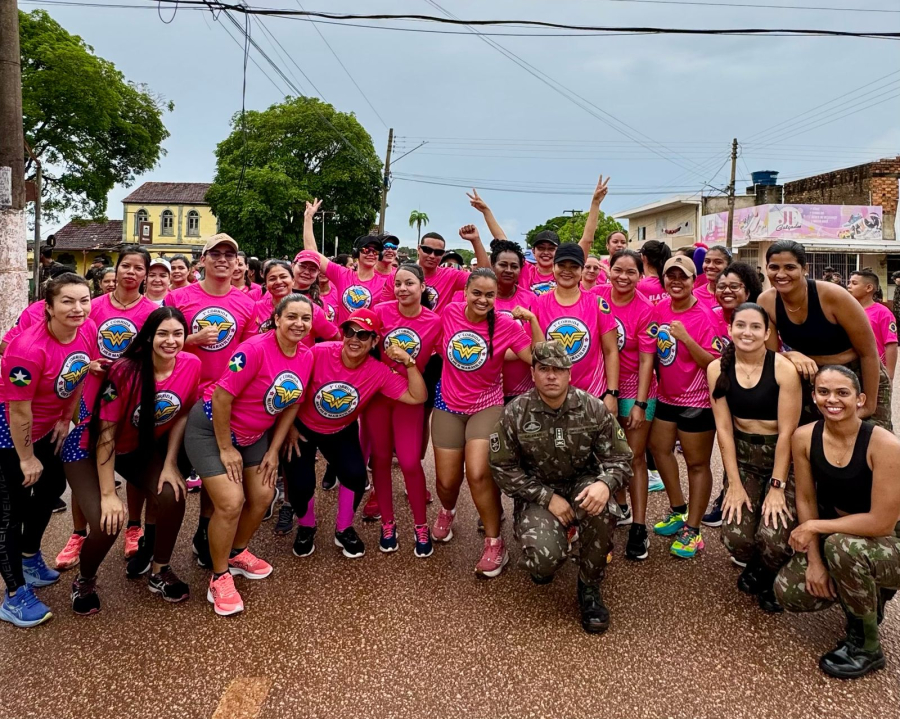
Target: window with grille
(139,217)
(840,262)
(193,223)
(168,223)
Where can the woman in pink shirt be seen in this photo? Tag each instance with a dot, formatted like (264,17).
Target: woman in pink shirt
(469,399)
(328,295)
(654,255)
(42,369)
(240,279)
(181,268)
(716,260)
(279,277)
(615,241)
(594,274)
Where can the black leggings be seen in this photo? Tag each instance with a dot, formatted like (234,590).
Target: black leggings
(25,511)
(344,456)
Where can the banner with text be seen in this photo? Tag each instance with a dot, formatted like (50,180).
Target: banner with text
(796,222)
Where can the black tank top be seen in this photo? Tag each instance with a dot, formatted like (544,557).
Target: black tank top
(849,488)
(816,337)
(758,402)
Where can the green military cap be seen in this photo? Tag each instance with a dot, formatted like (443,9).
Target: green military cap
(552,354)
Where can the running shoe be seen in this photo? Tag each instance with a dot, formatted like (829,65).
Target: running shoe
(442,531)
(654,481)
(370,511)
(132,537)
(305,541)
(285,522)
(71,553)
(140,563)
(687,543)
(223,595)
(24,609)
(249,566)
(37,573)
(493,558)
(167,585)
(671,524)
(638,546)
(350,543)
(424,548)
(388,541)
(200,547)
(270,511)
(193,483)
(627,518)
(713,518)
(481,524)
(84,597)
(329,481)
(59,506)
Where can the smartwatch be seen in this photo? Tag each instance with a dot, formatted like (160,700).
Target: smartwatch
(612,393)
(642,405)
(777,483)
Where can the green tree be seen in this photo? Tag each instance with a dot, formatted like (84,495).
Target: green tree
(90,127)
(418,218)
(570,229)
(277,159)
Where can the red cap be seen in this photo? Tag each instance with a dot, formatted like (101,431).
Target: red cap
(365,319)
(307,256)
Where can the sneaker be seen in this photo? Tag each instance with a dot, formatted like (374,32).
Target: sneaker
(167,585)
(627,518)
(70,554)
(713,518)
(270,511)
(140,563)
(200,547)
(37,573)
(350,543)
(84,597)
(493,558)
(424,548)
(223,595)
(442,531)
(654,481)
(249,566)
(687,544)
(388,542)
(24,609)
(638,546)
(132,537)
(305,542)
(481,524)
(193,483)
(370,511)
(594,614)
(673,522)
(329,481)
(59,506)
(285,522)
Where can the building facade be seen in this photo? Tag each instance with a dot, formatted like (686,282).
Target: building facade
(168,216)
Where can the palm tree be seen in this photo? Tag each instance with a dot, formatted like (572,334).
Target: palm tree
(418,218)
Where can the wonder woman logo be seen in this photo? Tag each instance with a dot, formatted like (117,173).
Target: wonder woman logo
(572,334)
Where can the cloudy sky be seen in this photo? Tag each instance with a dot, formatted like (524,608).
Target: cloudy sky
(657,113)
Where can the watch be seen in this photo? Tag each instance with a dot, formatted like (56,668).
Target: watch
(612,393)
(642,405)
(777,483)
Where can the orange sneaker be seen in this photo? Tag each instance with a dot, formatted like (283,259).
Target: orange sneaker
(223,596)
(249,566)
(71,553)
(132,537)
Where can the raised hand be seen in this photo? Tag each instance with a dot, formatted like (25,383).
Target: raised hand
(601,190)
(312,207)
(469,233)
(477,202)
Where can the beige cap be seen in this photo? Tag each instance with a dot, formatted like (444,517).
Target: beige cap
(219,238)
(685,264)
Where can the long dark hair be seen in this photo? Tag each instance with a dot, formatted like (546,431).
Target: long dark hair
(657,254)
(795,248)
(636,256)
(749,277)
(484,272)
(143,254)
(269,324)
(723,383)
(414,269)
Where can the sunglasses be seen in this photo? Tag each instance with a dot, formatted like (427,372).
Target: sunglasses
(390,246)
(217,255)
(362,335)
(369,251)
(431,250)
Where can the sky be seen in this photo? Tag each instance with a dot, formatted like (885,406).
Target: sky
(655,113)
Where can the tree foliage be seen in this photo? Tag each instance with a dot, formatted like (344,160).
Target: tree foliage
(418,219)
(276,160)
(570,229)
(90,128)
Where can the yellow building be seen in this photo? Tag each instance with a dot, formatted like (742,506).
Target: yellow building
(170,215)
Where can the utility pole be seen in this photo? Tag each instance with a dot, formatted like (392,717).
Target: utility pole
(13,264)
(324,213)
(387,178)
(38,178)
(729,228)
(572,212)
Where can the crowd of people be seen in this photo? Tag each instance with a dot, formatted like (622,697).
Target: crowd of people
(565,380)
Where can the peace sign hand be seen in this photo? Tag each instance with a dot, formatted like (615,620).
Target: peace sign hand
(601,189)
(477,202)
(312,207)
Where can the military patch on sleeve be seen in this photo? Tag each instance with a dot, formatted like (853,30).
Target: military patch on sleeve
(717,345)
(603,305)
(495,442)
(620,433)
(110,393)
(893,328)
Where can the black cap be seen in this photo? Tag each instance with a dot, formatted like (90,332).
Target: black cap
(368,240)
(451,255)
(569,251)
(388,237)
(546,236)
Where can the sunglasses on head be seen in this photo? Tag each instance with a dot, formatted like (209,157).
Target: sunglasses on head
(362,335)
(390,246)
(431,250)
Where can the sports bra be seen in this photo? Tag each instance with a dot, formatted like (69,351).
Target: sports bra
(816,337)
(759,401)
(849,488)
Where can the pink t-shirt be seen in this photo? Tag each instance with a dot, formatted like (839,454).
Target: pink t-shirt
(652,289)
(722,324)
(682,382)
(353,293)
(579,328)
(471,380)
(321,327)
(534,281)
(883,325)
(232,314)
(338,394)
(31,315)
(253,291)
(702,293)
(38,368)
(516,373)
(330,301)
(632,322)
(264,382)
(440,287)
(117,327)
(417,335)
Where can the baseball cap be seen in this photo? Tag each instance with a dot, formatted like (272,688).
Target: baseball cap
(364,318)
(368,240)
(569,251)
(552,354)
(388,237)
(685,264)
(160,262)
(220,239)
(545,236)
(307,256)
(451,255)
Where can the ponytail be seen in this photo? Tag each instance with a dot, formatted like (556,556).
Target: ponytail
(723,383)
(491,320)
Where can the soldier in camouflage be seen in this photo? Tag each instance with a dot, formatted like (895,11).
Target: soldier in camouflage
(561,456)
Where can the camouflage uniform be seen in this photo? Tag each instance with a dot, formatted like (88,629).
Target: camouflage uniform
(744,539)
(882,416)
(536,452)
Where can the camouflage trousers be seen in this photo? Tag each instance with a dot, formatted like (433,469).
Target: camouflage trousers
(744,539)
(544,540)
(882,416)
(859,567)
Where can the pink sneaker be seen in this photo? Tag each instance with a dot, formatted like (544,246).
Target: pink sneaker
(132,537)
(71,553)
(224,597)
(370,510)
(193,483)
(249,566)
(493,558)
(442,531)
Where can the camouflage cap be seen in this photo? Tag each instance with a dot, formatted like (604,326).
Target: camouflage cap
(552,354)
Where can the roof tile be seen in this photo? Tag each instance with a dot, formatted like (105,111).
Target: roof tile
(175,193)
(84,235)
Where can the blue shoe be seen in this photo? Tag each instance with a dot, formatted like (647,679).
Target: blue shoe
(38,574)
(388,541)
(713,518)
(24,610)
(655,483)
(424,547)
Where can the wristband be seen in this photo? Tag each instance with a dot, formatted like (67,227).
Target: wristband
(611,393)
(642,405)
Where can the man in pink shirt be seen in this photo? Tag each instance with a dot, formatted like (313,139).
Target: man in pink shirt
(863,285)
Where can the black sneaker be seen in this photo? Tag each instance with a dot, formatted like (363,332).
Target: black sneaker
(594,614)
(167,585)
(329,481)
(638,546)
(271,510)
(627,518)
(848,661)
(84,597)
(713,518)
(200,547)
(305,541)
(350,543)
(285,522)
(140,562)
(59,506)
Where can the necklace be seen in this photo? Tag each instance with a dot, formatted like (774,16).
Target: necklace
(753,369)
(124,305)
(805,296)
(842,462)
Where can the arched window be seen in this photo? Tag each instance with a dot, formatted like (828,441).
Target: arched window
(168,223)
(139,217)
(193,223)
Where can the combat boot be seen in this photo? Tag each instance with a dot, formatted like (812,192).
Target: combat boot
(749,580)
(594,614)
(768,602)
(848,661)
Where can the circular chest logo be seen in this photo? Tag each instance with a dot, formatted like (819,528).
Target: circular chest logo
(572,334)
(542,288)
(285,390)
(467,351)
(73,372)
(167,405)
(620,334)
(329,311)
(222,320)
(114,336)
(406,339)
(666,346)
(356,297)
(336,399)
(432,294)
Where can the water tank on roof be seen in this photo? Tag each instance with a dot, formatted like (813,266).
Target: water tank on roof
(764,177)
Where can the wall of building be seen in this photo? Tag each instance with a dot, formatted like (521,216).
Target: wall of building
(179,236)
(655,224)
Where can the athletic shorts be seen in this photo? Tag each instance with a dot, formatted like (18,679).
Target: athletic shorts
(450,430)
(687,419)
(203,449)
(625,406)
